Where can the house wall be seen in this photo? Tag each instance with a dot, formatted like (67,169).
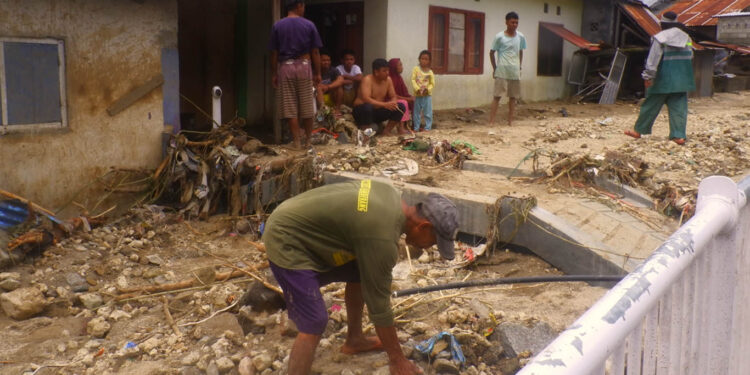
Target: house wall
(735,29)
(111,47)
(407,35)
(377,30)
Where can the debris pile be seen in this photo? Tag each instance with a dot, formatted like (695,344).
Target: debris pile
(224,170)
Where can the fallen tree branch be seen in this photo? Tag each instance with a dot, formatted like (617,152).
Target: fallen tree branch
(170,320)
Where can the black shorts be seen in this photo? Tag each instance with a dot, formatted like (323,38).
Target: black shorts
(366,114)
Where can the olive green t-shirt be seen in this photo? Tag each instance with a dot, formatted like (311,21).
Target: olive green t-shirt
(332,225)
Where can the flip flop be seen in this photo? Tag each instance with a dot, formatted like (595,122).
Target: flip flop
(679,141)
(633,133)
(378,346)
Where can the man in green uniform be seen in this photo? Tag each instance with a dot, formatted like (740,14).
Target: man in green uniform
(668,78)
(349,232)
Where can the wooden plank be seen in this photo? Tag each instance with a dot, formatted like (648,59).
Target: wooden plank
(134,95)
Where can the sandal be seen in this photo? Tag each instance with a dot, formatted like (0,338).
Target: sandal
(633,133)
(679,141)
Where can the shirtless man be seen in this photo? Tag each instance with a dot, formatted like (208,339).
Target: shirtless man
(377,100)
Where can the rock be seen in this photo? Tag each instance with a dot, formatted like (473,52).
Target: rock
(224,364)
(346,371)
(10,275)
(516,338)
(22,303)
(149,344)
(98,327)
(217,325)
(509,366)
(10,284)
(492,355)
(150,234)
(418,327)
(90,300)
(243,226)
(212,369)
(190,370)
(246,367)
(119,315)
(444,366)
(262,361)
(191,359)
(155,259)
(77,283)
(261,298)
(424,258)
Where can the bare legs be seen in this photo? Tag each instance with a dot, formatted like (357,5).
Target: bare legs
(496,104)
(356,341)
(295,130)
(303,352)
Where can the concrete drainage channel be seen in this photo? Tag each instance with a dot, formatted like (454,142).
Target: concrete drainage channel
(549,236)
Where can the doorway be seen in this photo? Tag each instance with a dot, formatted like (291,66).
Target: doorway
(341,27)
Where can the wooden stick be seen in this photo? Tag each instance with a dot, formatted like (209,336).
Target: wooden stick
(27,202)
(170,320)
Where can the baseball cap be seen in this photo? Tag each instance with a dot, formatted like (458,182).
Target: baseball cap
(443,215)
(669,17)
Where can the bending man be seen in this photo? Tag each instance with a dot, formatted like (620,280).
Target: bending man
(349,232)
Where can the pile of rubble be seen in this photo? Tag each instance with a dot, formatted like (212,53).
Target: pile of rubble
(153,293)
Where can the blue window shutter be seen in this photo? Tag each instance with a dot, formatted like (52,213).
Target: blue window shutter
(32,76)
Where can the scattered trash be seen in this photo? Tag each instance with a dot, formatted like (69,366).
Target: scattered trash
(427,347)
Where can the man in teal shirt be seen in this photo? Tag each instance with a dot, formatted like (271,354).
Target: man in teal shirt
(668,78)
(509,46)
(349,232)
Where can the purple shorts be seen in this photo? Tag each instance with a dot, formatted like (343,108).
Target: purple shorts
(302,293)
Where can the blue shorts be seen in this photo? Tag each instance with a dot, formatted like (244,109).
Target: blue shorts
(302,293)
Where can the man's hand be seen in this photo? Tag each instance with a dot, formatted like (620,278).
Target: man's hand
(404,367)
(648,83)
(391,106)
(317,79)
(323,88)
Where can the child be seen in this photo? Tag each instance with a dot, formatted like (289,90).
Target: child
(423,80)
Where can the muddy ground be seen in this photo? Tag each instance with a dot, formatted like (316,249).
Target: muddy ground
(87,325)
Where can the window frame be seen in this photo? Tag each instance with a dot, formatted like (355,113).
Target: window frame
(6,128)
(469,40)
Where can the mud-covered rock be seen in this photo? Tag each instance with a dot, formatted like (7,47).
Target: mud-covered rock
(23,303)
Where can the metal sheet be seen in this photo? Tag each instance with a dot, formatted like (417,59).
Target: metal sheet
(702,12)
(643,17)
(570,36)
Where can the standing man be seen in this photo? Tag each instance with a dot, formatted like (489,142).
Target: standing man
(668,78)
(509,46)
(295,43)
(349,232)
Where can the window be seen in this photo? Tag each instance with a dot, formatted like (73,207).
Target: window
(456,41)
(546,8)
(549,58)
(32,84)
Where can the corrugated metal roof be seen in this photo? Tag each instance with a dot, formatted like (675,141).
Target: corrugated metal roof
(643,17)
(702,12)
(570,36)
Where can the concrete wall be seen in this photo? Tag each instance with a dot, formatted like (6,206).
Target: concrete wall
(111,47)
(735,29)
(407,34)
(377,30)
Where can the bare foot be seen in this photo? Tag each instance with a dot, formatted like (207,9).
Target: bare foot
(365,344)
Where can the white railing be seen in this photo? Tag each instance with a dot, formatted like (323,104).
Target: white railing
(685,310)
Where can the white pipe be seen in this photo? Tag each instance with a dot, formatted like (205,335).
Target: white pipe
(216,95)
(585,345)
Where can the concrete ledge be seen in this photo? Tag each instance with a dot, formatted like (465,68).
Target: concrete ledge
(630,194)
(549,236)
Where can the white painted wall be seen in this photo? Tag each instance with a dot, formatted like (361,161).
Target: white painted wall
(376,31)
(406,35)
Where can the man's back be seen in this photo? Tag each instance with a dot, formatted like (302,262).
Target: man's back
(293,37)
